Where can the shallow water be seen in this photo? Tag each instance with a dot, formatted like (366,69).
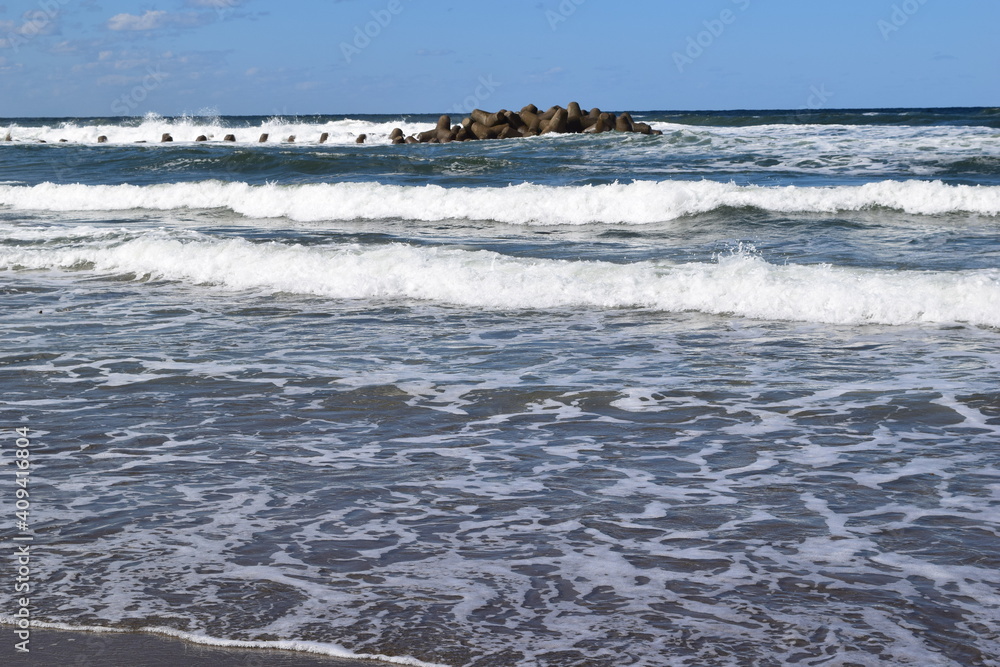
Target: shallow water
(686,422)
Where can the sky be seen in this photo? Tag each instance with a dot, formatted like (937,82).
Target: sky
(62,58)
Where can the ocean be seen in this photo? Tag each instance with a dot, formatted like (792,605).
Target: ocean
(725,396)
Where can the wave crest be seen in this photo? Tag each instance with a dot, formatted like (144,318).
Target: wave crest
(740,284)
(639,202)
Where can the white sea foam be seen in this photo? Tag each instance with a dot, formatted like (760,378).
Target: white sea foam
(186,130)
(741,283)
(828,149)
(639,202)
(315,648)
(457,544)
(59,232)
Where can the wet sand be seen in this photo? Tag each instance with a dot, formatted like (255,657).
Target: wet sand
(79,649)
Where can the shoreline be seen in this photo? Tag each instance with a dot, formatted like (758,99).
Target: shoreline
(50,646)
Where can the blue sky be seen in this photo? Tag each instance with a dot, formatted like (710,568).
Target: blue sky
(109,57)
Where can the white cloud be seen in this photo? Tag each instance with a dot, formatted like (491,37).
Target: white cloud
(33,23)
(130,64)
(547,76)
(156,20)
(151,20)
(216,4)
(65,46)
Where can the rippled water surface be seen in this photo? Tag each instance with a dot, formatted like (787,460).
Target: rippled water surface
(701,418)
